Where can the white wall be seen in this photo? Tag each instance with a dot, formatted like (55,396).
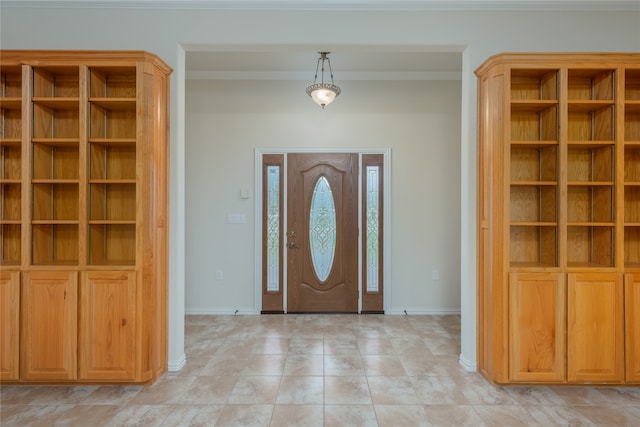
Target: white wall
(419,121)
(166,32)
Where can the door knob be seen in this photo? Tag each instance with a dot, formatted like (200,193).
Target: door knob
(292,245)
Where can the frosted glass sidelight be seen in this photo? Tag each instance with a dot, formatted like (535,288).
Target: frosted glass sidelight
(322,229)
(373,219)
(273,228)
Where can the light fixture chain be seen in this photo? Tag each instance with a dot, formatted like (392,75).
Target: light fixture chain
(330,70)
(315,79)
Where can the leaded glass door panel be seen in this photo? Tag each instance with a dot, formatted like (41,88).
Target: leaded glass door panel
(322,233)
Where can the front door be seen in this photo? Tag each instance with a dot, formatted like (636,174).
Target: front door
(322,233)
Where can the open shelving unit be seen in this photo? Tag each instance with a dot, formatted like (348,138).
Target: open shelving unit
(559,218)
(112,159)
(534,168)
(83,176)
(590,167)
(11,167)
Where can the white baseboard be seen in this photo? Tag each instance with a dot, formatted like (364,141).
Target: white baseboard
(437,311)
(221,311)
(468,365)
(176,365)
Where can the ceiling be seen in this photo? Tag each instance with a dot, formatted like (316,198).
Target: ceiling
(357,62)
(347,64)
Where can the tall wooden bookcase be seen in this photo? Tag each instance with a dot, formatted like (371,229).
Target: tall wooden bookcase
(559,218)
(83,225)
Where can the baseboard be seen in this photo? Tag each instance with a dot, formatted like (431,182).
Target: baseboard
(437,311)
(176,365)
(468,365)
(220,311)
(417,311)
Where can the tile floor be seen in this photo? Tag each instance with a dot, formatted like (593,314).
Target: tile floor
(320,370)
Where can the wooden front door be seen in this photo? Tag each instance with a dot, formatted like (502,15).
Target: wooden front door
(322,236)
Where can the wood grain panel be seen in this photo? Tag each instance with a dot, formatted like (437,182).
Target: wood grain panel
(50,325)
(632,327)
(537,327)
(108,326)
(9,325)
(595,340)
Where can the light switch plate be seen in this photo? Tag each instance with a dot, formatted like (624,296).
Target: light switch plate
(237,218)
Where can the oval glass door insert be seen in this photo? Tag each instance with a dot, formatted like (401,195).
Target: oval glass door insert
(322,229)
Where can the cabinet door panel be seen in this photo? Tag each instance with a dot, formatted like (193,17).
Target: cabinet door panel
(108,326)
(9,325)
(632,313)
(49,340)
(537,327)
(595,343)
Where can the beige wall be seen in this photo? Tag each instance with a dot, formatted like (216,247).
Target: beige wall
(419,121)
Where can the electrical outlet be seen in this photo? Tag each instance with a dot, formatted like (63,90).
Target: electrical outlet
(219,275)
(435,275)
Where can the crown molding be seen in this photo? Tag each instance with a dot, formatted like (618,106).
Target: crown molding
(338,5)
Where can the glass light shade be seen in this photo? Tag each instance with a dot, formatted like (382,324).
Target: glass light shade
(323,93)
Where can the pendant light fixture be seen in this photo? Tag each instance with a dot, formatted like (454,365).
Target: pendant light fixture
(323,93)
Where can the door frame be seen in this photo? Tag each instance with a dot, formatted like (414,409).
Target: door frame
(386,219)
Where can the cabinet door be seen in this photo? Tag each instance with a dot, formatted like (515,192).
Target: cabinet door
(108,325)
(537,327)
(632,314)
(9,325)
(49,334)
(595,346)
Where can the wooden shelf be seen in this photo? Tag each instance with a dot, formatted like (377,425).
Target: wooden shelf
(83,193)
(534,143)
(11,103)
(589,145)
(589,106)
(632,106)
(112,222)
(54,181)
(555,241)
(112,181)
(590,183)
(116,142)
(532,106)
(10,221)
(10,142)
(58,103)
(115,104)
(533,183)
(57,142)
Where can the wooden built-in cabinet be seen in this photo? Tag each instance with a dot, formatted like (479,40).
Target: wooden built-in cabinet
(49,316)
(559,218)
(536,336)
(595,328)
(83,237)
(632,326)
(9,325)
